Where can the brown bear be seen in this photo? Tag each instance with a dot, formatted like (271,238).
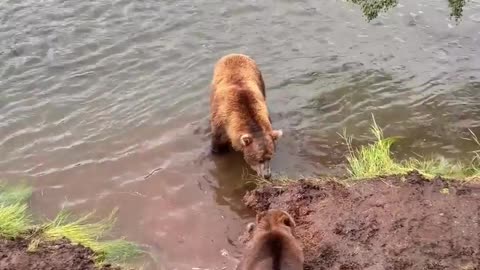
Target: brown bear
(239,116)
(272,246)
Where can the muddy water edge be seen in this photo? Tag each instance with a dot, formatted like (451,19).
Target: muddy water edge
(105,104)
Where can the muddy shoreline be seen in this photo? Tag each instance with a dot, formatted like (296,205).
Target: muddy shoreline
(394,222)
(54,255)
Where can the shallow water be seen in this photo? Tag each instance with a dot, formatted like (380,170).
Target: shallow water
(105,104)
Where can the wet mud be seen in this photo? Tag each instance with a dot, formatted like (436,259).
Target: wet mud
(393,223)
(57,255)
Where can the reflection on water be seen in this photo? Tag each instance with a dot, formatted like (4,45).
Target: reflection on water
(105,104)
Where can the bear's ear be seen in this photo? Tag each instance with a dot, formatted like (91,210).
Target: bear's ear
(288,220)
(277,134)
(246,139)
(250,227)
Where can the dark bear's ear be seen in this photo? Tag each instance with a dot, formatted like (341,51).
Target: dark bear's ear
(277,134)
(246,139)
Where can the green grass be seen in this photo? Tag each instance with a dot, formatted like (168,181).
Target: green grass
(16,221)
(79,230)
(14,218)
(376,159)
(88,233)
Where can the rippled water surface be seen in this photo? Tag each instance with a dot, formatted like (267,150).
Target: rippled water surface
(105,103)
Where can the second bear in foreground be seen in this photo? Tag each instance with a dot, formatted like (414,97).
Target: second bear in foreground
(273,245)
(239,115)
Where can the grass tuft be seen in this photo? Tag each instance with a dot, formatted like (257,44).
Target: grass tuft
(16,221)
(14,218)
(79,231)
(87,233)
(376,159)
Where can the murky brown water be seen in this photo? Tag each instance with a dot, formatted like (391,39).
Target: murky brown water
(105,103)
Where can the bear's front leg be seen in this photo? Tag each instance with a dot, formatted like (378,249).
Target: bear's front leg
(220,141)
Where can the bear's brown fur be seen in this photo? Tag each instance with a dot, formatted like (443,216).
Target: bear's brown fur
(239,113)
(273,245)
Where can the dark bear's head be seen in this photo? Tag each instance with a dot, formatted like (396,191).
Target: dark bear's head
(258,150)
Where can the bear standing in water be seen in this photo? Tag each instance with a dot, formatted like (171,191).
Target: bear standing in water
(239,113)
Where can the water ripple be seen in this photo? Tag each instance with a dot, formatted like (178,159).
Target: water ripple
(97,95)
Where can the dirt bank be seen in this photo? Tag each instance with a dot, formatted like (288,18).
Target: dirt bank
(397,222)
(58,255)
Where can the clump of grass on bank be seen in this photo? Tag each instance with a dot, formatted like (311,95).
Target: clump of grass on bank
(16,221)
(14,218)
(88,233)
(376,159)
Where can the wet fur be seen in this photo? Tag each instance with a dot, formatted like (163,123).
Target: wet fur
(239,114)
(273,245)
(237,102)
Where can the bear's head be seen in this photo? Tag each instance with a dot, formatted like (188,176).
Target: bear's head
(258,150)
